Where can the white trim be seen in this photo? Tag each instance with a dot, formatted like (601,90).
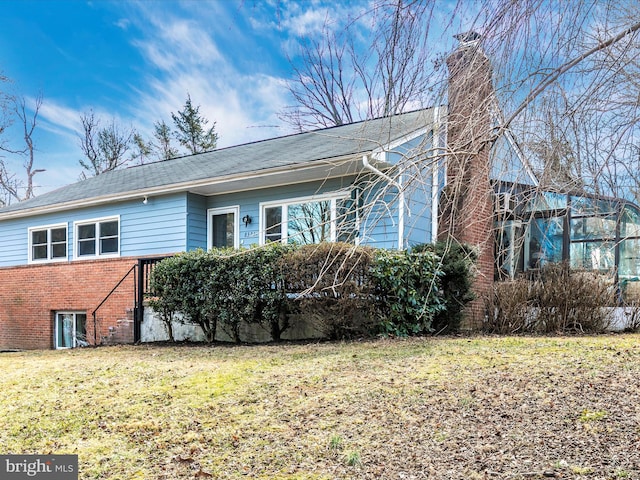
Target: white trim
(48,228)
(382,152)
(332,197)
(95,221)
(235,209)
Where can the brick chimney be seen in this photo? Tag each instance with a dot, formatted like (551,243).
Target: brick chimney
(466,214)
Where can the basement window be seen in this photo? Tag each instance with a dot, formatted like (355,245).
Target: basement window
(70,330)
(97,238)
(48,243)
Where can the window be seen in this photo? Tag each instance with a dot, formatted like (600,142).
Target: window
(224,228)
(97,238)
(70,330)
(306,221)
(48,243)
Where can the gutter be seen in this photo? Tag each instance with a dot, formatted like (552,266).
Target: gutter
(401,199)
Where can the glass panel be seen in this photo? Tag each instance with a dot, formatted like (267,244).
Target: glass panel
(592,206)
(548,201)
(109,245)
(508,247)
(81,329)
(58,250)
(109,229)
(545,241)
(223,227)
(39,252)
(39,237)
(86,231)
(592,255)
(273,224)
(59,235)
(593,228)
(629,258)
(309,222)
(64,330)
(630,222)
(87,247)
(59,243)
(108,237)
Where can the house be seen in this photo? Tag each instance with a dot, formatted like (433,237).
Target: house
(73,262)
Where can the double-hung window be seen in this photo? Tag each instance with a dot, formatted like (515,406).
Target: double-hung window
(309,220)
(48,243)
(97,238)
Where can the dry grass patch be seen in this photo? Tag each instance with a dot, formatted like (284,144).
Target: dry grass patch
(511,408)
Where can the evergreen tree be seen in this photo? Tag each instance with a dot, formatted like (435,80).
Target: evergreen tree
(191,129)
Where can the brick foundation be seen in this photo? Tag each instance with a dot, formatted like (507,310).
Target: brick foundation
(31,294)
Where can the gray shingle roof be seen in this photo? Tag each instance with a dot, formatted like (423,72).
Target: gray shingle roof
(261,156)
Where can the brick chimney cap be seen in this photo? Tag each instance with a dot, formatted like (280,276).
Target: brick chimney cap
(468,38)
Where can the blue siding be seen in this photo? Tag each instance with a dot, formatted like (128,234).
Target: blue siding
(196,222)
(379,226)
(418,189)
(156,228)
(418,204)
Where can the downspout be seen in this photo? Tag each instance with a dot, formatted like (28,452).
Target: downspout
(435,197)
(401,201)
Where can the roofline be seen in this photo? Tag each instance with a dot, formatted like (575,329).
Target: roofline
(183,187)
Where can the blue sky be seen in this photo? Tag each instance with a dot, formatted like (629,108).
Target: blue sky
(135,62)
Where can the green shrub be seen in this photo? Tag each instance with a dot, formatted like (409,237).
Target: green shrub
(262,269)
(185,283)
(347,291)
(408,290)
(456,264)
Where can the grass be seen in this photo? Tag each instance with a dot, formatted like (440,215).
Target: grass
(477,407)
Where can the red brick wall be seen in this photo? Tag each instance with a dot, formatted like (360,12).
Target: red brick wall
(29,296)
(467,203)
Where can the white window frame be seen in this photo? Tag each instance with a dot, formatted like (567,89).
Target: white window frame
(95,221)
(235,209)
(48,228)
(76,342)
(285,203)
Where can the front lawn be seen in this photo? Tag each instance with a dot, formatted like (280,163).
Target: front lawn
(441,408)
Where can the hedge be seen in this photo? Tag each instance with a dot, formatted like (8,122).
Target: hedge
(348,291)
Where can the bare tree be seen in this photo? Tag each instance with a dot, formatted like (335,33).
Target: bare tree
(104,148)
(12,187)
(340,80)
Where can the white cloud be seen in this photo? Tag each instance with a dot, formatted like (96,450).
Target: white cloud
(58,118)
(187,60)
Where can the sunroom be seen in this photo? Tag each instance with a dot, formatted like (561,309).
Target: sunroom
(591,233)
